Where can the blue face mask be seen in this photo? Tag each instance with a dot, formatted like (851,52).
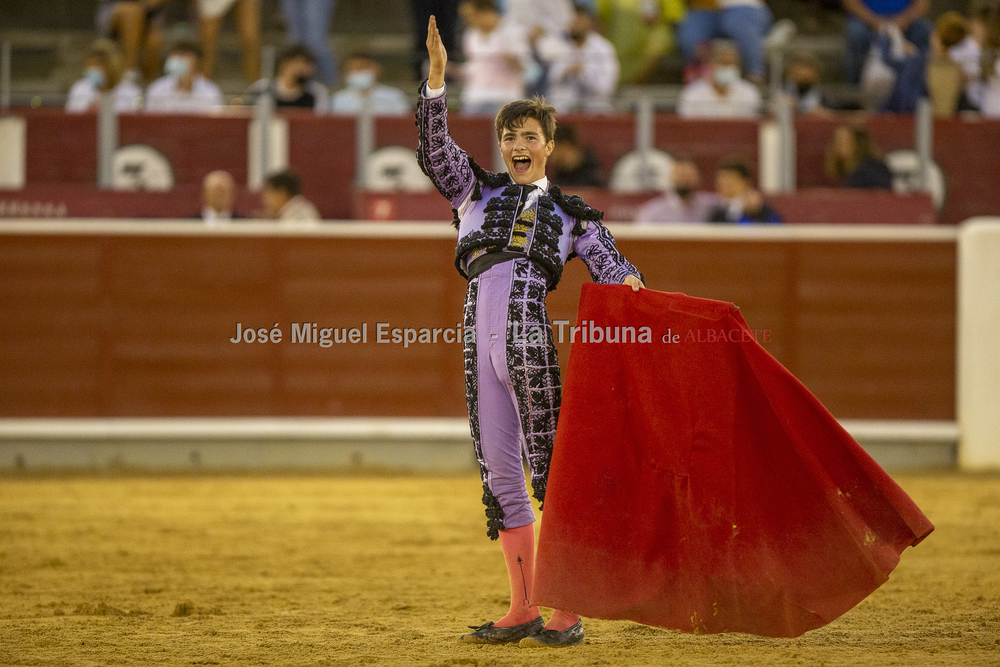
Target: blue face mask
(176,66)
(95,76)
(726,75)
(361,79)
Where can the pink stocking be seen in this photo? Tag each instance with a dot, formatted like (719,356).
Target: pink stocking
(518,546)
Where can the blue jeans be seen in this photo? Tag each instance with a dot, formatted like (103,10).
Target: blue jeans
(309,24)
(744,24)
(860,38)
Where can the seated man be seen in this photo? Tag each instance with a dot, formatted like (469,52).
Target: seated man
(868,18)
(726,95)
(218,195)
(802,84)
(685,203)
(497,55)
(585,76)
(575,165)
(183,89)
(283,200)
(741,203)
(361,74)
(295,86)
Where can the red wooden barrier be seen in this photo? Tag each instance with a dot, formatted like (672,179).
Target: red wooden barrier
(129,324)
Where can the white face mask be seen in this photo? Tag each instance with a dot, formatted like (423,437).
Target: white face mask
(361,79)
(95,76)
(726,75)
(176,66)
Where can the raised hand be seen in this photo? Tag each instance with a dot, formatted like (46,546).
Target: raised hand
(437,53)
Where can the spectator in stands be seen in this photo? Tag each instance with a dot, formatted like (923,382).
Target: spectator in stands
(685,202)
(946,79)
(991,67)
(283,200)
(802,84)
(745,22)
(969,55)
(218,195)
(741,202)
(866,19)
(642,34)
(726,95)
(138,26)
(361,74)
(496,57)
(247,14)
(573,164)
(584,78)
(103,76)
(911,67)
(294,85)
(309,23)
(545,24)
(183,89)
(445,13)
(853,160)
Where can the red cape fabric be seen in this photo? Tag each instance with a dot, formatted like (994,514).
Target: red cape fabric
(699,486)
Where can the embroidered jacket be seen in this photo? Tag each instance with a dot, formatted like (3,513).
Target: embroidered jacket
(552,232)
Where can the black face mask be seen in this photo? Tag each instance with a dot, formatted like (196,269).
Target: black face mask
(302,80)
(803,88)
(683,191)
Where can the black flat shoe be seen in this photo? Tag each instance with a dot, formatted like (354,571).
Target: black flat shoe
(490,634)
(568,637)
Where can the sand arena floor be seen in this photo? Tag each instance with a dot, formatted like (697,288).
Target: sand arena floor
(353,570)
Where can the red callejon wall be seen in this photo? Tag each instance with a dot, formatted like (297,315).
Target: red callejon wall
(135,319)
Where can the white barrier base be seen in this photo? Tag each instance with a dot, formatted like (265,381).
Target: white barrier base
(427,445)
(978,342)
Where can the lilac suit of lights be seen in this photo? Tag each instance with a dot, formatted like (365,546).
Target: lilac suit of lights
(513,241)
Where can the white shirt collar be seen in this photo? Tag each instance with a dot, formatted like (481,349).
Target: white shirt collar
(542,184)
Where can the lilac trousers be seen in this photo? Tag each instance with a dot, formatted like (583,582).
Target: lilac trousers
(512,388)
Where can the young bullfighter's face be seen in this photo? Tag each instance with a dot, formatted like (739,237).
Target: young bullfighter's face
(525,151)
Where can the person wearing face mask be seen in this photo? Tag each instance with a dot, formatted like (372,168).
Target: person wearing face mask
(361,74)
(294,86)
(585,77)
(685,202)
(802,85)
(726,95)
(741,202)
(103,76)
(183,89)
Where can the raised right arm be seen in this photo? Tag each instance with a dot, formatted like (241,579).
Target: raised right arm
(439,156)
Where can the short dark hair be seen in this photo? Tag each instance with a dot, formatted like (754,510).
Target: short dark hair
(951,28)
(738,167)
(295,51)
(186,46)
(513,115)
(285,180)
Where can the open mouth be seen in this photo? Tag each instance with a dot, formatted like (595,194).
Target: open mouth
(522,163)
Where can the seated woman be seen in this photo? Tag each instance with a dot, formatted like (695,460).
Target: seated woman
(103,74)
(853,161)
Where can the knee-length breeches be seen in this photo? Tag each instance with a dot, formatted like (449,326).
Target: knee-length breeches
(512,388)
